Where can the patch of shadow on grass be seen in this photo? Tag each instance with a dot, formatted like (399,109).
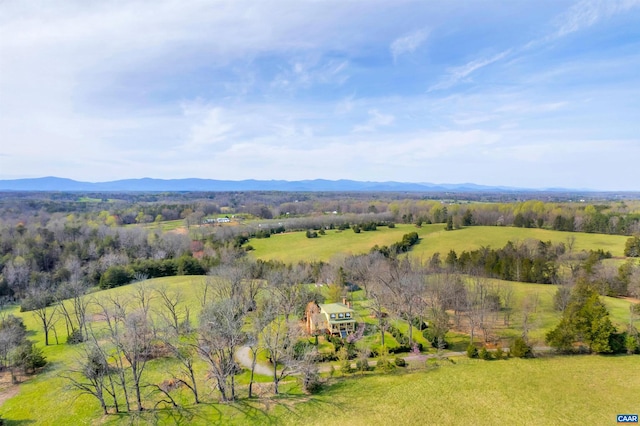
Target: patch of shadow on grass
(9,422)
(320,400)
(251,411)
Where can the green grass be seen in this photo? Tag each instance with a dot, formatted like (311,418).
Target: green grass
(164,226)
(564,390)
(295,246)
(496,237)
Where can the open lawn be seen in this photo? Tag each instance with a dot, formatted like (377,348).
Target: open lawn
(295,246)
(474,237)
(164,226)
(575,390)
(579,390)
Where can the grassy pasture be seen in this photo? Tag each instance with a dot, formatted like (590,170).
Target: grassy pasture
(474,237)
(547,391)
(293,247)
(164,226)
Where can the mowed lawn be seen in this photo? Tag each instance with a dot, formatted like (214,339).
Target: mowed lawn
(578,390)
(295,246)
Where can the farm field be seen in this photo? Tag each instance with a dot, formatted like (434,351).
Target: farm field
(295,246)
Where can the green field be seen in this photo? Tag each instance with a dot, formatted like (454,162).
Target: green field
(546,391)
(295,246)
(584,390)
(164,226)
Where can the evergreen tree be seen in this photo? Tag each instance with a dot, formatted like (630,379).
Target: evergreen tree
(586,320)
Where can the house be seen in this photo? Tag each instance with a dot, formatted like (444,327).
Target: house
(333,318)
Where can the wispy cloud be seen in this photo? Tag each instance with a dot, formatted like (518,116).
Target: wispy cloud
(408,43)
(306,73)
(210,131)
(588,12)
(375,121)
(458,74)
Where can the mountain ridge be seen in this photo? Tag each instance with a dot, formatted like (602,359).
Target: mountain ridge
(53,183)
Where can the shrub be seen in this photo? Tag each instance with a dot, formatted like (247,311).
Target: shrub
(362,365)
(115,276)
(472,351)
(485,354)
(345,364)
(384,364)
(75,337)
(400,362)
(29,357)
(499,353)
(520,349)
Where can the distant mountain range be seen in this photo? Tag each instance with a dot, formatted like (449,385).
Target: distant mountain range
(148,184)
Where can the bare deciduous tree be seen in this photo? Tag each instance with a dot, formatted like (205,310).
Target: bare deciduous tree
(92,376)
(220,334)
(278,338)
(38,300)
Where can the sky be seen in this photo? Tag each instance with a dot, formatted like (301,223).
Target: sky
(531,94)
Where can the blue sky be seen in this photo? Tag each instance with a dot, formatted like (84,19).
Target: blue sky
(520,93)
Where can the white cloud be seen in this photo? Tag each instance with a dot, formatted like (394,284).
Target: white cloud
(210,132)
(306,73)
(375,121)
(588,12)
(408,43)
(457,74)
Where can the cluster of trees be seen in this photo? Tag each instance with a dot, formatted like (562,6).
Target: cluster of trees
(531,262)
(632,247)
(235,311)
(610,218)
(419,295)
(402,246)
(65,248)
(16,351)
(585,324)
